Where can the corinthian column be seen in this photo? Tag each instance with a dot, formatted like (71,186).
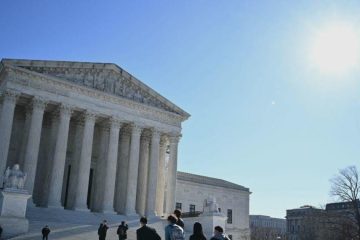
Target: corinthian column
(33,142)
(153,172)
(133,171)
(6,122)
(58,166)
(82,183)
(143,174)
(160,191)
(107,204)
(171,175)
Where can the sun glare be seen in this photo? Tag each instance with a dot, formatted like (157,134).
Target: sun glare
(335,49)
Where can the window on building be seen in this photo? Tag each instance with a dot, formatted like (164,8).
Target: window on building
(229,216)
(178,206)
(219,209)
(192,208)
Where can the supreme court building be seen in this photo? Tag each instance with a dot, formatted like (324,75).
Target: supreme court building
(89,136)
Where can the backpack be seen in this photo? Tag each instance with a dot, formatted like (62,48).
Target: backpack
(177,233)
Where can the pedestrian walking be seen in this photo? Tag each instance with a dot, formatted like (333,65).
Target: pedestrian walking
(121,231)
(45,232)
(198,233)
(145,232)
(102,230)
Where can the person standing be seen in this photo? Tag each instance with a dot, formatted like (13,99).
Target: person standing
(145,232)
(179,222)
(219,234)
(45,232)
(198,233)
(102,230)
(121,231)
(173,231)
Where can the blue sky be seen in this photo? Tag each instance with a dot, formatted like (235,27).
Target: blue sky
(262,115)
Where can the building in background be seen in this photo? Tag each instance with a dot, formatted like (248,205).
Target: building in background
(266,227)
(232,200)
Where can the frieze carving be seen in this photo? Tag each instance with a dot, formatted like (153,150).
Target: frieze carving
(105,80)
(47,84)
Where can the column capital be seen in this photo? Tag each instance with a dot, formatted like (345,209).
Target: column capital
(66,109)
(156,133)
(10,95)
(136,129)
(174,138)
(115,123)
(39,103)
(89,116)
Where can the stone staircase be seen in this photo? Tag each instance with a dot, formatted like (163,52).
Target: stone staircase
(67,224)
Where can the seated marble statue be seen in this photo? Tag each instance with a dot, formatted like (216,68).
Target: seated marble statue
(210,205)
(14,178)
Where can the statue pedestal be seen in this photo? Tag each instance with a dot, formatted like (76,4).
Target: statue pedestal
(13,204)
(209,221)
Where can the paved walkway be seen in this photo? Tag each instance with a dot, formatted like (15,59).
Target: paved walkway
(68,225)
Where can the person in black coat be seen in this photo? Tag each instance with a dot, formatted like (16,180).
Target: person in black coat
(102,230)
(121,231)
(197,232)
(45,232)
(145,232)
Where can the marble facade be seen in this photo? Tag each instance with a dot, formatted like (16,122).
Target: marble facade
(89,136)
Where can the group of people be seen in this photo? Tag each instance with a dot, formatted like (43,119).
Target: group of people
(173,231)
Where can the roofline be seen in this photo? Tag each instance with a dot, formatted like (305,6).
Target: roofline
(110,66)
(239,187)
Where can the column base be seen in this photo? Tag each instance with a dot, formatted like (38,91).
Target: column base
(108,212)
(81,209)
(131,214)
(55,207)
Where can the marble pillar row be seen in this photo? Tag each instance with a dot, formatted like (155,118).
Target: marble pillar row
(100,168)
(143,174)
(161,178)
(122,169)
(107,205)
(59,157)
(133,171)
(6,122)
(83,170)
(153,174)
(25,137)
(171,175)
(33,142)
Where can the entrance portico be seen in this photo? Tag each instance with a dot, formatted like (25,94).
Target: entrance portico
(77,130)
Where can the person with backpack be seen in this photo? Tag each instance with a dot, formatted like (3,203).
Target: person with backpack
(219,234)
(198,233)
(179,222)
(173,231)
(145,232)
(121,231)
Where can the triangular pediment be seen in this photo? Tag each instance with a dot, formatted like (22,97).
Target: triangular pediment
(106,77)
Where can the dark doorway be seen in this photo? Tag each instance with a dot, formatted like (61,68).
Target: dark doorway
(67,187)
(90,187)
